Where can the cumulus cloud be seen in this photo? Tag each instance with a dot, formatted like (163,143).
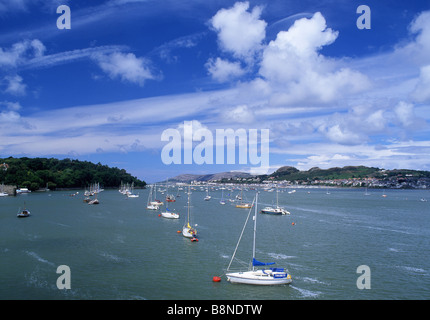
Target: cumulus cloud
(405,113)
(419,49)
(421,92)
(342,135)
(127,67)
(239,114)
(293,65)
(224,70)
(9,112)
(15,85)
(239,32)
(21,52)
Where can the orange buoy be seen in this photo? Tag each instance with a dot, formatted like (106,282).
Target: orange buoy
(293,223)
(179,231)
(216,279)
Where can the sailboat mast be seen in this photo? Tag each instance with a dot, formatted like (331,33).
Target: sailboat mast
(240,237)
(188,213)
(255,230)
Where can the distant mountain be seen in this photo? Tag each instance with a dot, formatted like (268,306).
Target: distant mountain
(209,177)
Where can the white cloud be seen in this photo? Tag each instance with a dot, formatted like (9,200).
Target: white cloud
(342,135)
(223,70)
(20,52)
(422,89)
(14,85)
(297,72)
(14,106)
(419,49)
(10,115)
(239,114)
(127,67)
(405,113)
(46,61)
(239,32)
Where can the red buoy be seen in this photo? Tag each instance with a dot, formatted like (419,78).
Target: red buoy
(159,215)
(216,279)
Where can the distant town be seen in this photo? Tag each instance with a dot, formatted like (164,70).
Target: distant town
(352,177)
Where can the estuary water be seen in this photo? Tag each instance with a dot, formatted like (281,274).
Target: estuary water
(120,250)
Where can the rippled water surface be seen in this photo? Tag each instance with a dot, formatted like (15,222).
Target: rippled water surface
(120,250)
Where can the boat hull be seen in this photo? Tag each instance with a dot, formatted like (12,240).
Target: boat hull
(156,203)
(189,233)
(23,214)
(244,206)
(259,277)
(274,211)
(170,215)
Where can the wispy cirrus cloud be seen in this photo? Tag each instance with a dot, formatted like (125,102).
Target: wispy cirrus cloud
(51,60)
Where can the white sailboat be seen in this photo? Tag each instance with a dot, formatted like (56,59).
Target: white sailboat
(264,276)
(188,231)
(208,197)
(94,201)
(222,201)
(24,213)
(156,202)
(131,194)
(150,205)
(275,210)
(169,214)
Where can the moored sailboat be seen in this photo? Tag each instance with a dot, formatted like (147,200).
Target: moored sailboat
(169,214)
(150,205)
(264,276)
(188,231)
(243,205)
(275,210)
(24,213)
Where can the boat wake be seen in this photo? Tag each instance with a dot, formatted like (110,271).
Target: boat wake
(306,293)
(280,256)
(38,258)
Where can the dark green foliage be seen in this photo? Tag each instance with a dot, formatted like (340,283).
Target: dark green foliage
(35,173)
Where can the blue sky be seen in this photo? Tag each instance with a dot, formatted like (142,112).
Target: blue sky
(105,90)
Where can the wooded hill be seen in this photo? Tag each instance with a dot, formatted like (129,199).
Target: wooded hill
(36,173)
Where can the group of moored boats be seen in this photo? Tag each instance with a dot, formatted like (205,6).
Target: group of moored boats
(254,275)
(187,231)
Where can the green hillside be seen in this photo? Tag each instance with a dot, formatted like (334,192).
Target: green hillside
(348,172)
(35,173)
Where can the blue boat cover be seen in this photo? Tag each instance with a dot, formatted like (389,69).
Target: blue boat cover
(258,263)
